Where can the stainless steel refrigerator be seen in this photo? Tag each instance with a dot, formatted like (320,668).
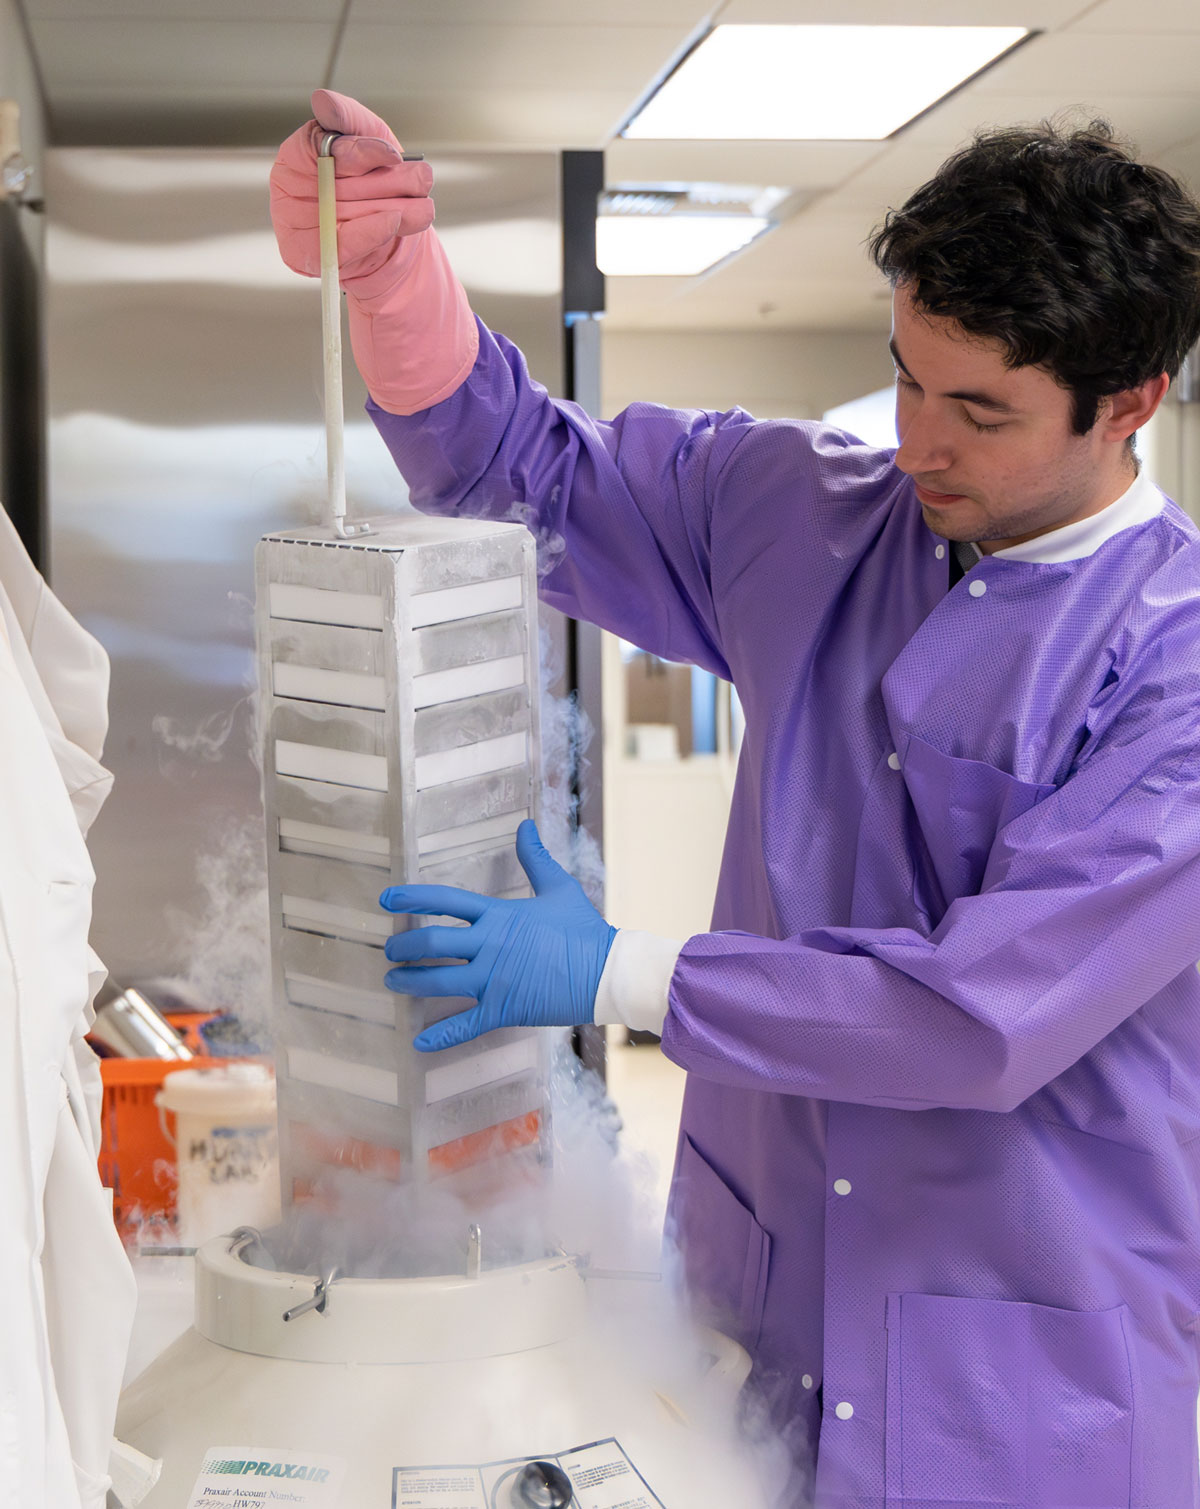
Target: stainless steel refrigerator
(184,402)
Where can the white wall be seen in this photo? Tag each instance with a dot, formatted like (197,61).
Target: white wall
(774,374)
(664,823)
(18,81)
(1170,450)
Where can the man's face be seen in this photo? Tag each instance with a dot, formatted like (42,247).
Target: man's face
(990,447)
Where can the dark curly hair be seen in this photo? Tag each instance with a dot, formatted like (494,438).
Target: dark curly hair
(1056,243)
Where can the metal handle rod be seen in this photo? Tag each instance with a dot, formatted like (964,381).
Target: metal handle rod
(331,338)
(242,1238)
(331,333)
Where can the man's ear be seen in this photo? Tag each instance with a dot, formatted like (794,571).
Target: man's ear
(1129,410)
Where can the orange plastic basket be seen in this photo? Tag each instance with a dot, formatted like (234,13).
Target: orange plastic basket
(136,1161)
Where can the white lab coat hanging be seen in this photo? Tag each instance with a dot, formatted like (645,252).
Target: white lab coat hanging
(69,1292)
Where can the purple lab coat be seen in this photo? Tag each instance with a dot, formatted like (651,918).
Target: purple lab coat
(941,1135)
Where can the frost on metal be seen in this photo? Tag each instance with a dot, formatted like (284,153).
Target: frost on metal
(399,681)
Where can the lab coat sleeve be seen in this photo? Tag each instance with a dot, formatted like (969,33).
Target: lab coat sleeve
(1089,907)
(622,510)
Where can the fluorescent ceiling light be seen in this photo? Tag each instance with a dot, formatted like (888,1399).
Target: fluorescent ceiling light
(844,83)
(661,246)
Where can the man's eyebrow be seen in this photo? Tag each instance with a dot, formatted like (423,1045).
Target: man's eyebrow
(897,358)
(981,400)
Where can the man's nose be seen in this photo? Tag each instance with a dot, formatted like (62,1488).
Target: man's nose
(924,444)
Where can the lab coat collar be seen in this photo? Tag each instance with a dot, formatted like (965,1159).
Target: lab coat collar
(1139,502)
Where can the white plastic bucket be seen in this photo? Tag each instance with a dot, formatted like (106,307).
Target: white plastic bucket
(226,1148)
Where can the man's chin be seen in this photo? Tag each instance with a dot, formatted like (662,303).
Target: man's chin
(937,522)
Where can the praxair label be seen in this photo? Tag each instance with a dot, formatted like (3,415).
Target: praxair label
(598,1475)
(244,1477)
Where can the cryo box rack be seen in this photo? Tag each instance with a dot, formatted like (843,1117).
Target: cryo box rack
(400,742)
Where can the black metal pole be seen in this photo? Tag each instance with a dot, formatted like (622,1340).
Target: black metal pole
(22,403)
(583,305)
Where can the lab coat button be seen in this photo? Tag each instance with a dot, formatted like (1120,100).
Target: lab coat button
(940,552)
(842,1186)
(806,1381)
(844,1411)
(977,589)
(893,761)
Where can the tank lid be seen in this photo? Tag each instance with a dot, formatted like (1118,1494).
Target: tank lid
(386,1320)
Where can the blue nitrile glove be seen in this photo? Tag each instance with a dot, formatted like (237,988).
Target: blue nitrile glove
(535,962)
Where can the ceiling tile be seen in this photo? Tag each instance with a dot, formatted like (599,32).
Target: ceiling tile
(1075,65)
(823,241)
(492,84)
(483,57)
(486,119)
(446,73)
(1184,161)
(1159,16)
(1040,14)
(1151,120)
(123,56)
(684,14)
(884,182)
(801,164)
(797,275)
(273,11)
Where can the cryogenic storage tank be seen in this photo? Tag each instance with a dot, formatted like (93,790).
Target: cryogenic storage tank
(503,1390)
(398,674)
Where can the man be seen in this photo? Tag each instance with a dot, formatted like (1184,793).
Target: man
(940,1144)
(68,1290)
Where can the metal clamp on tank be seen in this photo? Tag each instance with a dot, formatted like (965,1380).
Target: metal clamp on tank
(320,1296)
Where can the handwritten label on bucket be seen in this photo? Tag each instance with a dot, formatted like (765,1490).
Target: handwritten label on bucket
(232,1155)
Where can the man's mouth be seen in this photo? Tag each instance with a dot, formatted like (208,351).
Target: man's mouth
(933,499)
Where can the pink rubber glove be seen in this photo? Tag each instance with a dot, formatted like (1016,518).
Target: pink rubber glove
(411,328)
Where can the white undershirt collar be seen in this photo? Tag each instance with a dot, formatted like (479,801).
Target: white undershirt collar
(1140,501)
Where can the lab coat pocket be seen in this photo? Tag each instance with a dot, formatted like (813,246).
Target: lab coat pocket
(1012,1405)
(959,808)
(726,1252)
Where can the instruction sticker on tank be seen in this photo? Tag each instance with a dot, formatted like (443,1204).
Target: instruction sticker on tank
(596,1476)
(243,1477)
